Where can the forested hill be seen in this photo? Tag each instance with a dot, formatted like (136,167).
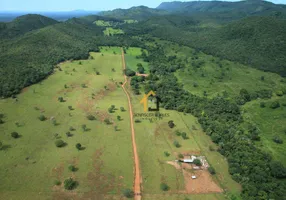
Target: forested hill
(233,9)
(24,24)
(136,13)
(255,41)
(91,19)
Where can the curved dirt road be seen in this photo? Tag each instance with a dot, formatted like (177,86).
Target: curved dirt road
(137,178)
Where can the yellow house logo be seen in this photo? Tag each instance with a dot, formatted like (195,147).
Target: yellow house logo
(144,101)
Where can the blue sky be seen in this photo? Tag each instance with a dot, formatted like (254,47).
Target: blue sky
(67,5)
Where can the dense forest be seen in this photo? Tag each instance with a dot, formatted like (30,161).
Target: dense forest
(260,176)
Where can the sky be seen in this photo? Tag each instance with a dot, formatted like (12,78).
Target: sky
(69,5)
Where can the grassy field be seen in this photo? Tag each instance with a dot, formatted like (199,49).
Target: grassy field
(130,21)
(31,163)
(112,31)
(132,61)
(216,76)
(271,123)
(102,23)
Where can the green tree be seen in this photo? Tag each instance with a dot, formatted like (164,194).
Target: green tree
(69,184)
(118,118)
(197,162)
(70,107)
(42,118)
(212,170)
(61,99)
(78,146)
(15,135)
(262,104)
(166,153)
(84,127)
(72,168)
(90,117)
(176,144)
(274,105)
(164,187)
(57,182)
(122,109)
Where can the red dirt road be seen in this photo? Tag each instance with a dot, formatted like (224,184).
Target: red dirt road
(137,178)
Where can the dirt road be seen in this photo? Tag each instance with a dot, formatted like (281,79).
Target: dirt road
(137,176)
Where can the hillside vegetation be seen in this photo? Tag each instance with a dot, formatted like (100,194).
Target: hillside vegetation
(24,24)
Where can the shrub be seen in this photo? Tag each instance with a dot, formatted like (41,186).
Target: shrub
(72,168)
(84,127)
(279,93)
(83,85)
(277,139)
(178,133)
(122,109)
(274,105)
(197,162)
(137,120)
(61,99)
(128,193)
(164,187)
(59,143)
(176,144)
(70,107)
(107,121)
(90,117)
(68,134)
(118,118)
(167,154)
(129,72)
(184,136)
(1,121)
(78,146)
(57,182)
(69,184)
(42,118)
(171,124)
(211,170)
(72,128)
(181,155)
(262,104)
(15,135)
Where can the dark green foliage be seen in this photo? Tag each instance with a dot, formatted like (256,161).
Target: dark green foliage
(137,120)
(181,155)
(42,118)
(176,144)
(184,136)
(61,99)
(128,193)
(15,135)
(212,170)
(107,121)
(178,133)
(69,184)
(33,55)
(70,108)
(274,105)
(59,143)
(171,124)
(277,170)
(279,93)
(78,146)
(72,128)
(122,109)
(197,162)
(84,128)
(118,118)
(262,104)
(72,168)
(91,117)
(129,72)
(68,134)
(278,139)
(164,187)
(166,153)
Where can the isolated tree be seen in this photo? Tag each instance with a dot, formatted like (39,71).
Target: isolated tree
(59,143)
(70,107)
(68,134)
(118,118)
(176,144)
(141,69)
(66,86)
(90,117)
(178,133)
(164,187)
(72,128)
(61,99)
(1,145)
(128,193)
(78,146)
(107,121)
(122,109)
(97,73)
(278,139)
(171,124)
(274,105)
(184,136)
(57,182)
(181,155)
(197,162)
(72,168)
(15,135)
(69,184)
(166,153)
(42,118)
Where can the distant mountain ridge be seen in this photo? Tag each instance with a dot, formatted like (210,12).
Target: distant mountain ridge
(241,8)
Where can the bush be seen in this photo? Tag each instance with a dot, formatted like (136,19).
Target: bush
(164,187)
(274,105)
(137,120)
(68,134)
(176,144)
(70,107)
(184,136)
(70,184)
(129,72)
(178,133)
(90,117)
(277,139)
(211,170)
(181,155)
(78,146)
(122,109)
(107,121)
(61,99)
(72,128)
(171,124)
(59,143)
(279,93)
(15,134)
(262,104)
(167,154)
(197,162)
(72,168)
(42,118)
(84,127)
(118,118)
(128,193)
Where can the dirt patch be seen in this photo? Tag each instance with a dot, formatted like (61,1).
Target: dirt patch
(58,171)
(202,184)
(25,89)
